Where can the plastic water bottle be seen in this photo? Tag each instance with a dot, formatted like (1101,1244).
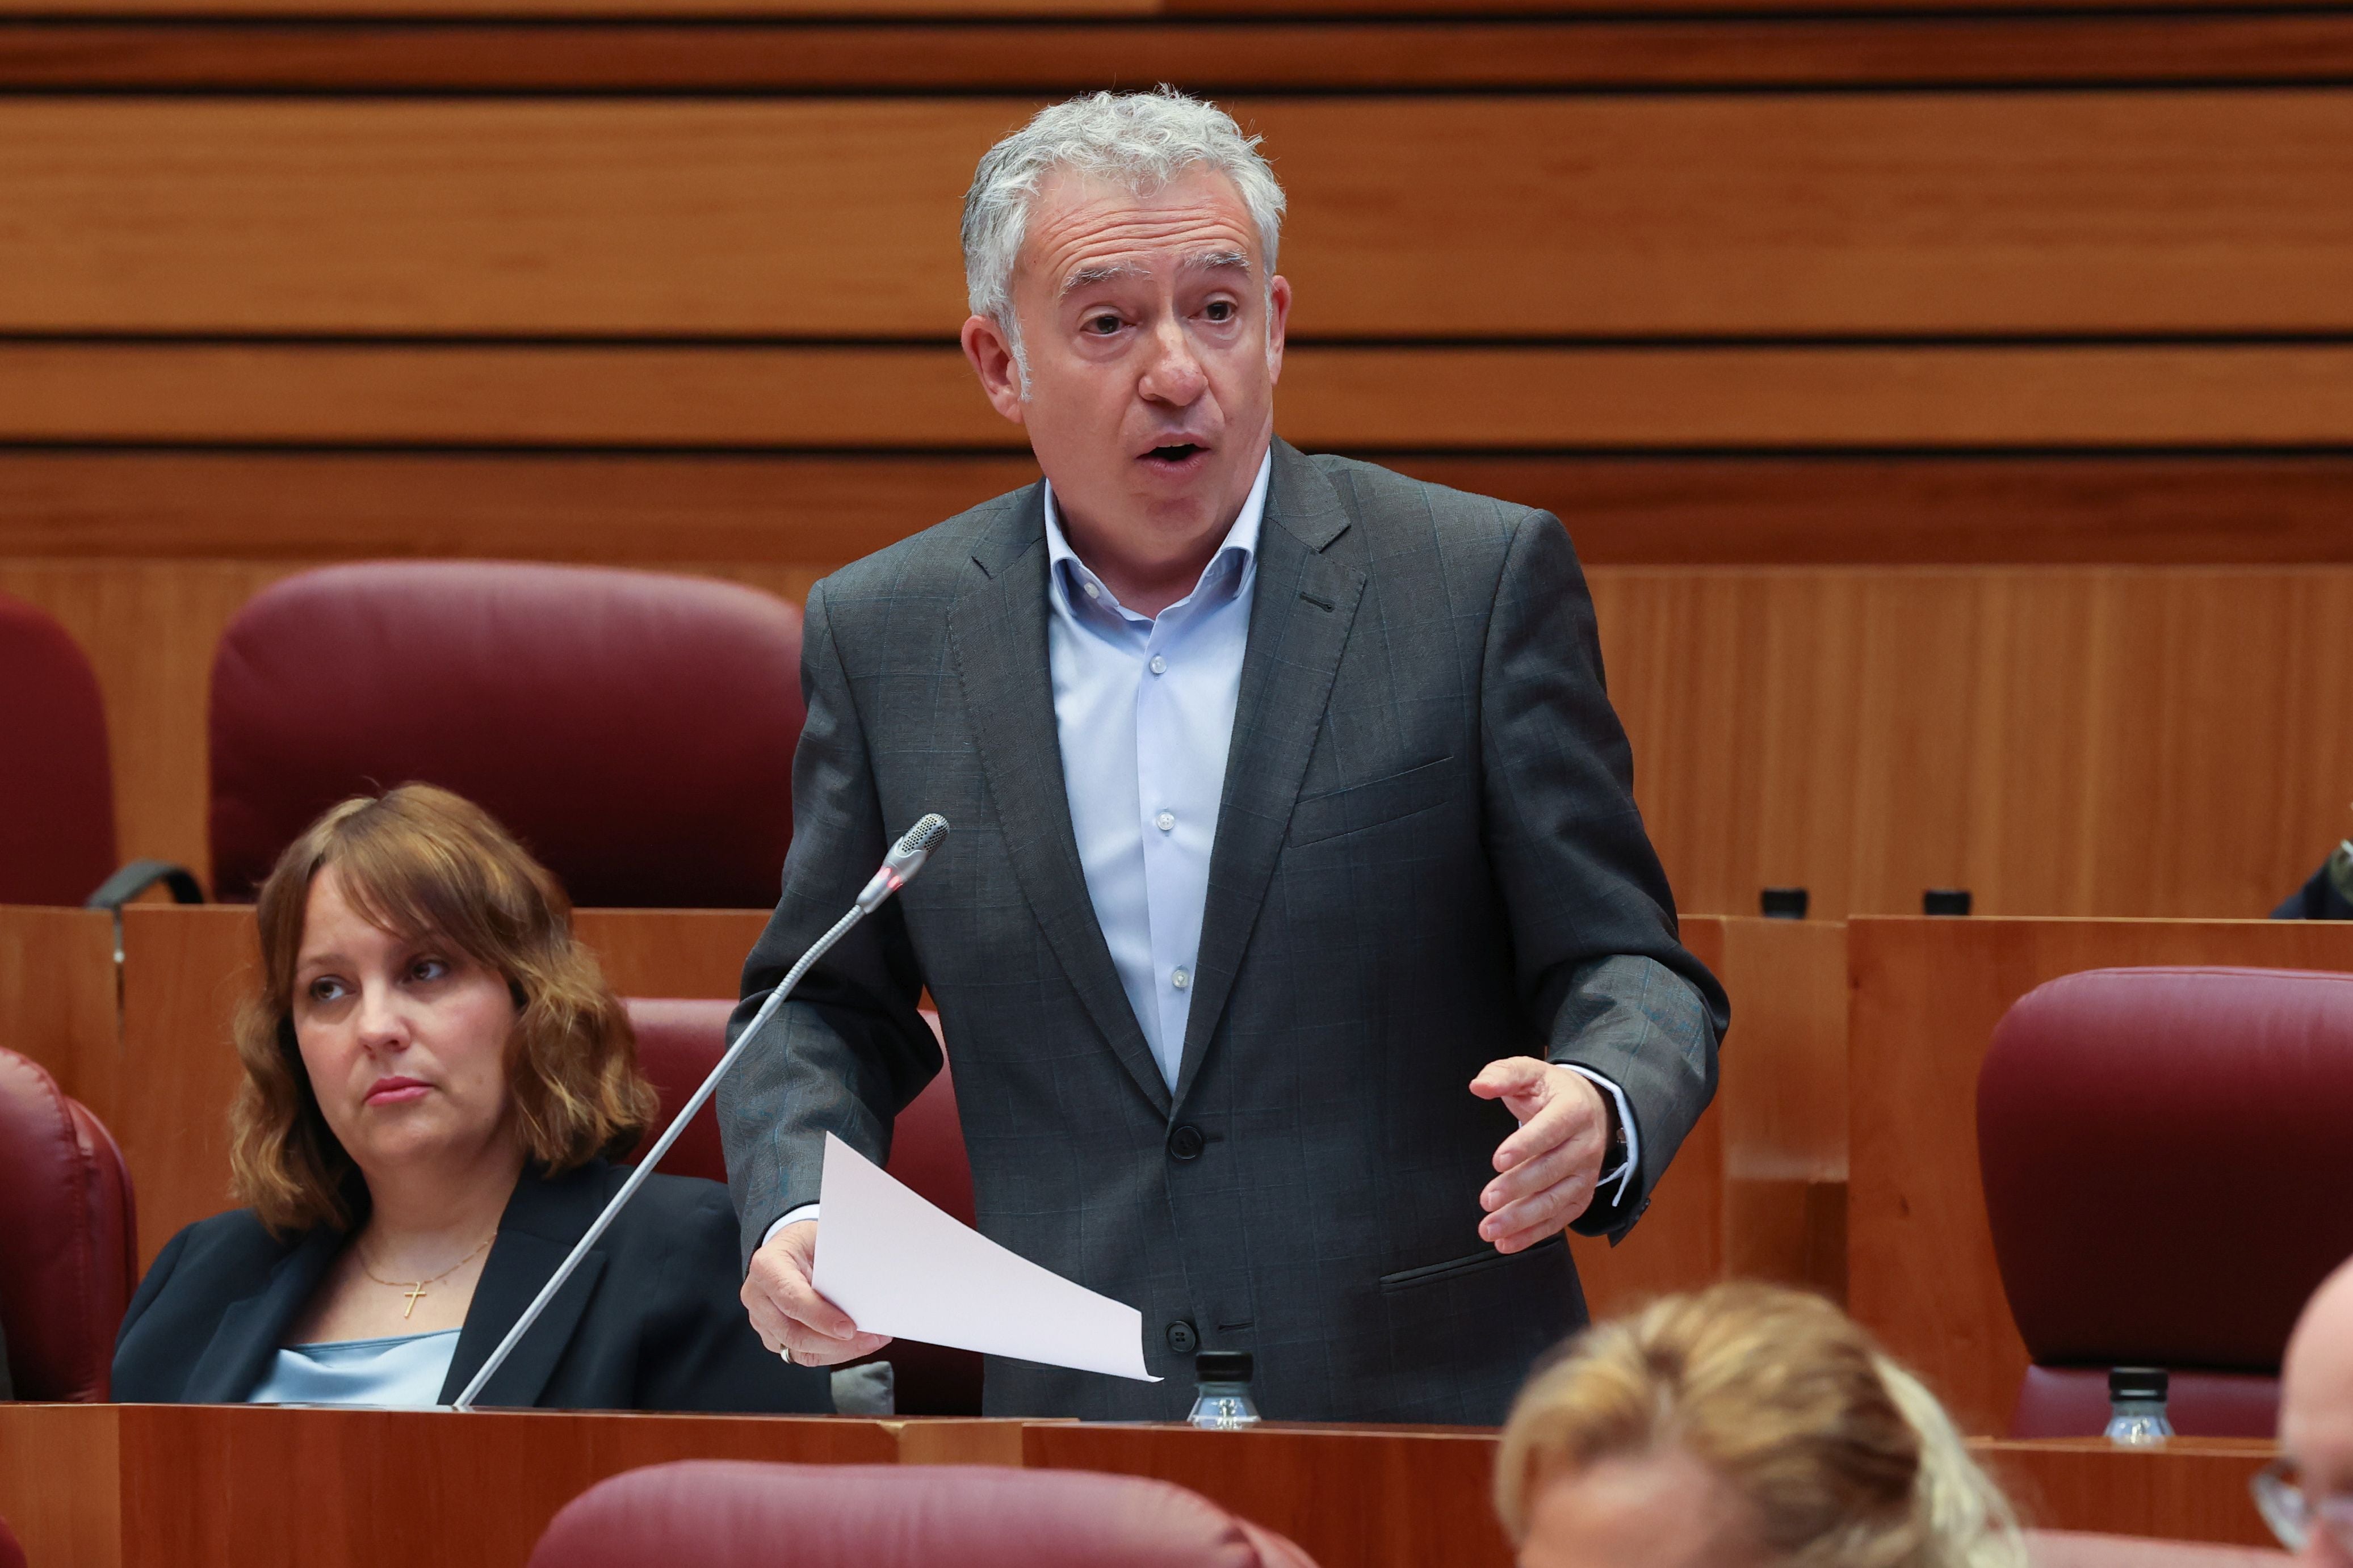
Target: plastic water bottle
(1223,1403)
(2136,1407)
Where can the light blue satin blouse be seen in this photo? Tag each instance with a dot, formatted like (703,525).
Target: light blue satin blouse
(406,1372)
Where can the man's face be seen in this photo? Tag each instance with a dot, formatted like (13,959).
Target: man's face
(1154,342)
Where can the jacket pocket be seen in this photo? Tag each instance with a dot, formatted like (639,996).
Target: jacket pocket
(1455,1269)
(1372,804)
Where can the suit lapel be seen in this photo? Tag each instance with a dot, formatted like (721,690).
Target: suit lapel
(999,634)
(542,1220)
(1301,610)
(247,1339)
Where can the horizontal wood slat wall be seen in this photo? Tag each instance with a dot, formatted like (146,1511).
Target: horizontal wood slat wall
(906,398)
(2067,213)
(963,56)
(763,508)
(2108,740)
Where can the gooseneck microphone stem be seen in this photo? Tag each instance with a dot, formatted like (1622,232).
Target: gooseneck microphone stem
(906,858)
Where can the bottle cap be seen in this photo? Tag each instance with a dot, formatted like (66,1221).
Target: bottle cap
(1782,903)
(2138,1382)
(1945,901)
(1223,1366)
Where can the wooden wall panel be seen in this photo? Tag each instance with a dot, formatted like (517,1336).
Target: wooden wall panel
(2061,742)
(2087,741)
(1926,995)
(1680,215)
(657,52)
(1333,397)
(753,508)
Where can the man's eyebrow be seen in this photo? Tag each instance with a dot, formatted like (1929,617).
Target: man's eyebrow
(1230,260)
(1112,271)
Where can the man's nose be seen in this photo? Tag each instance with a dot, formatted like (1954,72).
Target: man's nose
(1175,375)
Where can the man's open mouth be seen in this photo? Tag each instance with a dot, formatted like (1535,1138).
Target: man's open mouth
(1175,452)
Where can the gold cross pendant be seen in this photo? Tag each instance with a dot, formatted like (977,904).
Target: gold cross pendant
(414,1292)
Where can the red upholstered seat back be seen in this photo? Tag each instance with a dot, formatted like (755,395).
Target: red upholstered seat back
(68,1241)
(56,789)
(718,1513)
(679,1042)
(2161,1150)
(2083,1549)
(634,730)
(11,1554)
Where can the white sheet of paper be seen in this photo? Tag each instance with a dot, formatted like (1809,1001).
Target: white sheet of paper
(899,1266)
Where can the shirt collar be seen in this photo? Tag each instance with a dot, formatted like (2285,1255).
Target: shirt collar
(1064,568)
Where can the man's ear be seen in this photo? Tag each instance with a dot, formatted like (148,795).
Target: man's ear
(1278,318)
(991,354)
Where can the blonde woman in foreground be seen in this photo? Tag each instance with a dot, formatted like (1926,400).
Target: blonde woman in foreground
(1743,1427)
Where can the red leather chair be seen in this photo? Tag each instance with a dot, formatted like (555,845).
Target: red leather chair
(11,1554)
(2163,1150)
(2083,1549)
(57,787)
(679,1042)
(721,1513)
(69,1240)
(634,730)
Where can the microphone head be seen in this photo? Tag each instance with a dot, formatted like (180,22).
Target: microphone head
(915,846)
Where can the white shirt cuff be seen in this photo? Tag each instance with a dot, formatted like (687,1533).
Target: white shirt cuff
(1624,1175)
(808,1211)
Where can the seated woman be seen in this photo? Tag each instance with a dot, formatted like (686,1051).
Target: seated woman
(1745,1427)
(435,1075)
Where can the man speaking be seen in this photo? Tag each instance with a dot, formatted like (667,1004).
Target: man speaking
(1306,967)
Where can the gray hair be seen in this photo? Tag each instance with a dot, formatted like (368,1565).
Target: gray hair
(1142,140)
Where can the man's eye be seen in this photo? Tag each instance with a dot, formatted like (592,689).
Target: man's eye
(1219,310)
(1103,326)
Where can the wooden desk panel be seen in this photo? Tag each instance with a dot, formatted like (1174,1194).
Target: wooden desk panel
(1927,995)
(196,1486)
(1352,1496)
(186,969)
(56,997)
(2192,1489)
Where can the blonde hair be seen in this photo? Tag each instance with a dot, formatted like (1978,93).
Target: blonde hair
(1843,1458)
(422,861)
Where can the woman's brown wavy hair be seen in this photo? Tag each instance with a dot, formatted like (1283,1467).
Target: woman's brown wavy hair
(423,862)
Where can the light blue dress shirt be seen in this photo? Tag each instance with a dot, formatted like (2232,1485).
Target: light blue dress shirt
(406,1372)
(1144,707)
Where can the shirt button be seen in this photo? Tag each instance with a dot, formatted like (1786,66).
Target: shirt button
(1182,978)
(1159,665)
(1094,592)
(1165,822)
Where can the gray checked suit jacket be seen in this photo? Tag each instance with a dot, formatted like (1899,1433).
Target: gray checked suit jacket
(1427,856)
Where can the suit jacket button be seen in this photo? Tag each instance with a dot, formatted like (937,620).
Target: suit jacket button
(1182,1339)
(1186,1143)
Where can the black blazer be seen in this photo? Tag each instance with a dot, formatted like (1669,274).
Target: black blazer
(651,1321)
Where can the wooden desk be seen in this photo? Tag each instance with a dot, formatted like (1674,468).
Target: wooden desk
(225,1485)
(56,994)
(1927,995)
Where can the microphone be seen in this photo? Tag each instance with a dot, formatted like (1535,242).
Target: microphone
(906,858)
(899,868)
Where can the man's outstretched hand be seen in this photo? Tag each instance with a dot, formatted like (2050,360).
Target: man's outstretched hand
(788,1311)
(1547,1169)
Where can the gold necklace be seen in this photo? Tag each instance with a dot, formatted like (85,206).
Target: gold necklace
(417,1289)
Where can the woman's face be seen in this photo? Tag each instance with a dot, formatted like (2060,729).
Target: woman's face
(1661,1510)
(405,1040)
